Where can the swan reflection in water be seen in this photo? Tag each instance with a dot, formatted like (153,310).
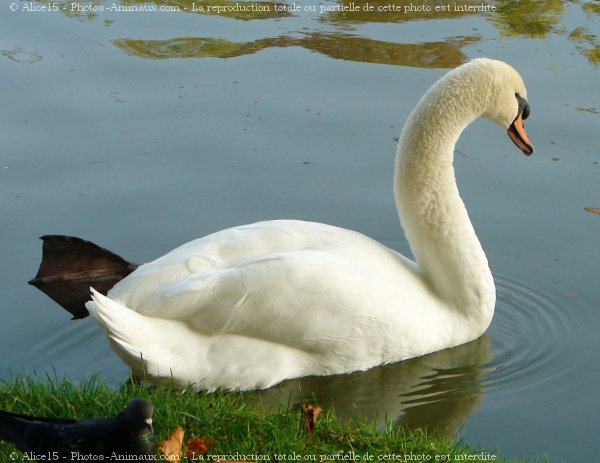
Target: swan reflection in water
(438,391)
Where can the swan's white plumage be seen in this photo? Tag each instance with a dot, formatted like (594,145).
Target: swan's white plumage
(250,306)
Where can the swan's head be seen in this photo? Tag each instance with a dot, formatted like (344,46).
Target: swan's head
(481,87)
(507,100)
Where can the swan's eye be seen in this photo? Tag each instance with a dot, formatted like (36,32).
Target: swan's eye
(526,110)
(523,106)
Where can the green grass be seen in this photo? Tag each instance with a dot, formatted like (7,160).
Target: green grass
(238,427)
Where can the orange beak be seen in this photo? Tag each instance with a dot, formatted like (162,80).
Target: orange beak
(516,131)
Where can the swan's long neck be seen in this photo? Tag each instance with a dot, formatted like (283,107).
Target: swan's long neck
(447,251)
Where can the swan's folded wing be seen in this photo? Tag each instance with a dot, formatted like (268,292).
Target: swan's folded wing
(329,292)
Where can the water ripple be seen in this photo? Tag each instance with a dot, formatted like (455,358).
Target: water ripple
(531,332)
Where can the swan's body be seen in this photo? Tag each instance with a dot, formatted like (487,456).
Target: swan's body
(250,306)
(253,305)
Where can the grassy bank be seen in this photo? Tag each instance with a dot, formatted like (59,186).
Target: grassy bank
(238,429)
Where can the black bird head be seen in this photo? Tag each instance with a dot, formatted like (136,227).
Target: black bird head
(135,427)
(138,411)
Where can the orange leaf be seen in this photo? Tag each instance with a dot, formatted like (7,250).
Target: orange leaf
(310,417)
(171,447)
(198,446)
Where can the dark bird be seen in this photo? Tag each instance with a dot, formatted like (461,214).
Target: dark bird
(127,434)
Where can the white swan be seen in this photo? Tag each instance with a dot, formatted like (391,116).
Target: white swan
(253,305)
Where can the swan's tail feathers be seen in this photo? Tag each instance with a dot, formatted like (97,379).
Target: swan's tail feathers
(128,331)
(151,347)
(71,265)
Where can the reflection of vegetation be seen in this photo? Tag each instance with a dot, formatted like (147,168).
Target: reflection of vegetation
(587,43)
(591,110)
(429,55)
(592,7)
(396,11)
(432,55)
(527,18)
(593,54)
(83,10)
(192,47)
(582,34)
(243,10)
(530,18)
(20,56)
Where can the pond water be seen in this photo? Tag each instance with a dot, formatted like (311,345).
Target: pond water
(140,130)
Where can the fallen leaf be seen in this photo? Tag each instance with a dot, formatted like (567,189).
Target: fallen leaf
(310,417)
(171,447)
(198,447)
(593,210)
